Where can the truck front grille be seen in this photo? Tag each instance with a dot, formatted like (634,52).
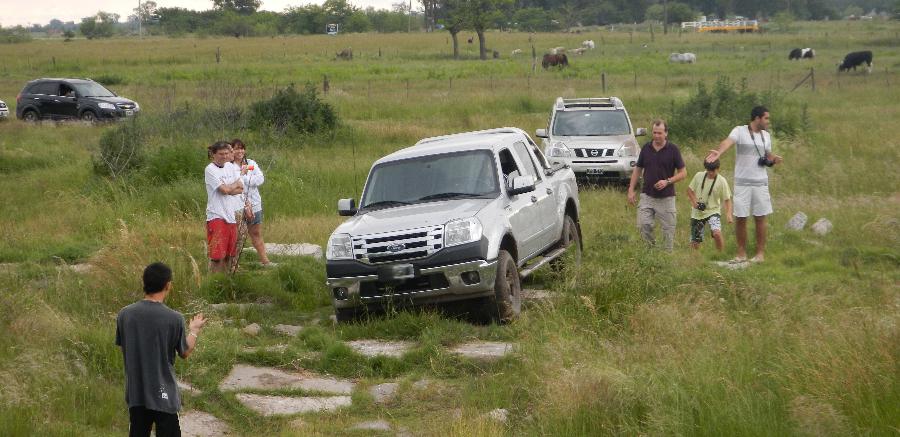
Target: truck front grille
(594,153)
(399,245)
(433,281)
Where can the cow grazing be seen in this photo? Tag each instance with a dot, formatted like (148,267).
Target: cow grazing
(557,50)
(555,60)
(516,52)
(806,53)
(588,44)
(579,51)
(855,59)
(346,54)
(683,58)
(470,40)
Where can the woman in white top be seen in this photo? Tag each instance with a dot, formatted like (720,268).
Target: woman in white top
(252,177)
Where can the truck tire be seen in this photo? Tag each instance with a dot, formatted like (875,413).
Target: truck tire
(89,116)
(570,236)
(344,315)
(507,288)
(30,116)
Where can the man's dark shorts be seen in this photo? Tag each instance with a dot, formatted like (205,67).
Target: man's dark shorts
(697,227)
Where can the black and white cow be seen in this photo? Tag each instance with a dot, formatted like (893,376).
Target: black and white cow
(855,59)
(806,53)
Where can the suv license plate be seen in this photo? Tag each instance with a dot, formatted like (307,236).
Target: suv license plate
(595,171)
(396,271)
(129,112)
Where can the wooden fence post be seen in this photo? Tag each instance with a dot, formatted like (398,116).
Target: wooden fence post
(325,85)
(812,78)
(407,89)
(603,82)
(218,54)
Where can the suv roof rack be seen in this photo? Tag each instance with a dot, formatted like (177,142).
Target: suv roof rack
(594,102)
(499,130)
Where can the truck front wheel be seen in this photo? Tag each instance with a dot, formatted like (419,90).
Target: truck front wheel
(507,288)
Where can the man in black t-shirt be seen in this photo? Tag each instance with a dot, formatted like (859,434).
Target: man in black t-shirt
(661,166)
(150,334)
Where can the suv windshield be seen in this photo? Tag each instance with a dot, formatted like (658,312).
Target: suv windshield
(92,89)
(590,123)
(429,178)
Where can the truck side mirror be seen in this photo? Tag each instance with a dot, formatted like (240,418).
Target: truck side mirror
(521,185)
(542,133)
(640,132)
(346,207)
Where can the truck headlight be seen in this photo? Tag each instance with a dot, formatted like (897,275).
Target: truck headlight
(559,150)
(339,247)
(462,231)
(104,105)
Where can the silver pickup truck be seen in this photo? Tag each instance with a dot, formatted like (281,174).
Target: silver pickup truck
(455,217)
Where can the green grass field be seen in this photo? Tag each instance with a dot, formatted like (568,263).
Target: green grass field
(639,342)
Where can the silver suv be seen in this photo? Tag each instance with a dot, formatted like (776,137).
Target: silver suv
(456,217)
(593,136)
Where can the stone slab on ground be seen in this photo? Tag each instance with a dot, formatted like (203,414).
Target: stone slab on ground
(242,307)
(532,294)
(295,249)
(732,265)
(243,376)
(483,350)
(186,387)
(201,424)
(821,227)
(384,392)
(499,415)
(273,348)
(291,330)
(284,405)
(797,222)
(373,425)
(252,329)
(373,348)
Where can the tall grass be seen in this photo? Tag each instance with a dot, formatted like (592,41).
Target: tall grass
(637,341)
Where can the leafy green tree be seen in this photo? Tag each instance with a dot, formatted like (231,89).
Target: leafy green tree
(454,18)
(244,7)
(534,20)
(358,22)
(101,25)
(678,12)
(481,14)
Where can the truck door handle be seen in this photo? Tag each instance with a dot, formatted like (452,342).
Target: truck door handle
(57,101)
(549,191)
(534,198)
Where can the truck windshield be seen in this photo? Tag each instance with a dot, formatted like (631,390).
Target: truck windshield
(93,89)
(590,123)
(431,178)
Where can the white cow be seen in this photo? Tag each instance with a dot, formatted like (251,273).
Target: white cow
(683,58)
(588,44)
(557,50)
(579,51)
(516,52)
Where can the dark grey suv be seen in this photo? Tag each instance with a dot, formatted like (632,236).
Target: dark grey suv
(61,99)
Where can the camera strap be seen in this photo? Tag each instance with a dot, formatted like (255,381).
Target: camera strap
(702,184)
(755,146)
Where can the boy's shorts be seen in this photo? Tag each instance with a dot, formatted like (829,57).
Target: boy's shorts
(715,224)
(221,238)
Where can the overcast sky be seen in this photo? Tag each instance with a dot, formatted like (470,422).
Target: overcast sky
(26,12)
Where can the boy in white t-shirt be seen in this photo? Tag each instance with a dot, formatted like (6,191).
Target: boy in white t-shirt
(709,192)
(223,185)
(751,179)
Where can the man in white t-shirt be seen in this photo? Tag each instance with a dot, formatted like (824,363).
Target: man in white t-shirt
(223,184)
(751,178)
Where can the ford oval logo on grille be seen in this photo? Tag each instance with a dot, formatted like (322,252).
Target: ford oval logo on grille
(595,152)
(396,247)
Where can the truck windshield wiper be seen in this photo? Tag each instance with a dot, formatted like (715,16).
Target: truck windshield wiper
(449,195)
(385,203)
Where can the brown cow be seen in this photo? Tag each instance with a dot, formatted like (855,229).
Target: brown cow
(560,60)
(346,54)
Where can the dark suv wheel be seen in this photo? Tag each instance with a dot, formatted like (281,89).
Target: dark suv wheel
(30,116)
(89,116)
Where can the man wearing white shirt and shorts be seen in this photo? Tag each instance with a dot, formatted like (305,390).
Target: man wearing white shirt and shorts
(223,184)
(751,178)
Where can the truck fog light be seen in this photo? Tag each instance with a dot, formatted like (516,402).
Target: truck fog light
(340,293)
(631,164)
(470,277)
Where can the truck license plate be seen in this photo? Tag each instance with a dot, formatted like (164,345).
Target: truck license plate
(596,171)
(129,113)
(396,271)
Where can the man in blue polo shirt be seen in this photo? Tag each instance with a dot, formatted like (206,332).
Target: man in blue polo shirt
(661,166)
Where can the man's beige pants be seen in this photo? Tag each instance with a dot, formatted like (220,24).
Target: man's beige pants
(651,209)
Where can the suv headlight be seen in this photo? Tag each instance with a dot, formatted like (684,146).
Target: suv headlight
(339,247)
(104,105)
(559,150)
(462,231)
